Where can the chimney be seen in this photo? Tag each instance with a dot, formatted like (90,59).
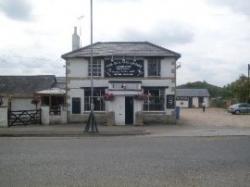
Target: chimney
(75,40)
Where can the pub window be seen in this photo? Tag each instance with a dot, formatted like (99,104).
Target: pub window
(97,67)
(76,105)
(98,99)
(154,67)
(155,99)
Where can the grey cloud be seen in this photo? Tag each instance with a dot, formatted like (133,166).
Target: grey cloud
(203,68)
(118,1)
(242,6)
(16,9)
(169,34)
(12,64)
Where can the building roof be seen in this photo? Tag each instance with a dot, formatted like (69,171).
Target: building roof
(139,49)
(25,86)
(192,92)
(60,82)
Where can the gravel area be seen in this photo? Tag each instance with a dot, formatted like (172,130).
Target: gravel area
(213,117)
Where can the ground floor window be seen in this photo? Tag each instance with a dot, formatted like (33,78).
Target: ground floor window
(155,99)
(98,99)
(76,105)
(54,102)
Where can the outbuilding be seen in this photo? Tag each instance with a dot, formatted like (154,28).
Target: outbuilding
(192,98)
(29,92)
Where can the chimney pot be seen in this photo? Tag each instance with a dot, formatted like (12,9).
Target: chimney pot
(75,40)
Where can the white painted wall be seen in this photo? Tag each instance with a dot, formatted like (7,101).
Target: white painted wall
(77,73)
(76,83)
(3,117)
(59,119)
(77,68)
(45,115)
(206,100)
(5,101)
(22,104)
(182,103)
(167,67)
(138,106)
(195,102)
(75,93)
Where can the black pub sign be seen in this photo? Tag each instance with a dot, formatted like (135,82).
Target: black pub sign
(171,101)
(124,67)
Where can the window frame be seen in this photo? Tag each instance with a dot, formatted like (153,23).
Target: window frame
(97,67)
(154,64)
(98,96)
(159,100)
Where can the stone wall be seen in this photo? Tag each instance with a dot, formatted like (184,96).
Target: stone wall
(102,118)
(150,118)
(141,118)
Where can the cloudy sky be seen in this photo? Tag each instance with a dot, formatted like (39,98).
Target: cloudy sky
(213,36)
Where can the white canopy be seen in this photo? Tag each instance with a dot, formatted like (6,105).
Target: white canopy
(52,91)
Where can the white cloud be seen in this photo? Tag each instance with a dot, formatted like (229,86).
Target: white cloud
(213,40)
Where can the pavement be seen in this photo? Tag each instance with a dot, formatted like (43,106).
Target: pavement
(70,130)
(77,130)
(193,130)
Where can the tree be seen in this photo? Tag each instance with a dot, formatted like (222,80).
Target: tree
(240,88)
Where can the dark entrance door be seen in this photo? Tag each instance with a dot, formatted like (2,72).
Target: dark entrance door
(190,102)
(129,110)
(200,101)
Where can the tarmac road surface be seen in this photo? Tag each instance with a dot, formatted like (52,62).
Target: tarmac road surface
(125,161)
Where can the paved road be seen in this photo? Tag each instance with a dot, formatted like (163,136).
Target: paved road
(125,161)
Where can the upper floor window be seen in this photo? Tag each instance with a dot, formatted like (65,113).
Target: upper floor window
(154,67)
(97,67)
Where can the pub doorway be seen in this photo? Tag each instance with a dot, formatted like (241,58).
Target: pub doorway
(129,110)
(190,102)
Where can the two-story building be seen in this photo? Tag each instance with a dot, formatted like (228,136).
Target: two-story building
(134,83)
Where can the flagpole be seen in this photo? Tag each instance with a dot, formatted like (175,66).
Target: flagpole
(91,124)
(91,54)
(248,83)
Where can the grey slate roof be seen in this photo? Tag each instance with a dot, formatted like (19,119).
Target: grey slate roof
(25,86)
(192,92)
(139,49)
(60,82)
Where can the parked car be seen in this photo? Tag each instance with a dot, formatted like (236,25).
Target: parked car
(239,108)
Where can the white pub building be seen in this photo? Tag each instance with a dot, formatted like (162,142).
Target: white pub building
(134,83)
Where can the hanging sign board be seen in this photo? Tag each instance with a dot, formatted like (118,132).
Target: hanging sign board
(171,101)
(124,68)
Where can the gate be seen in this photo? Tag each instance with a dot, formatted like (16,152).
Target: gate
(24,117)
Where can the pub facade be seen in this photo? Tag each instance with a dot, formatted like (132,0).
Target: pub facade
(134,83)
